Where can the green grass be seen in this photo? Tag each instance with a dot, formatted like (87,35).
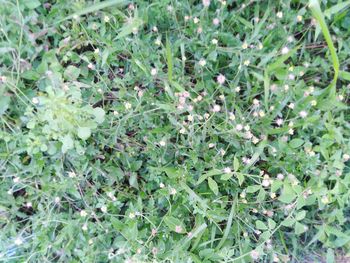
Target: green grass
(174,131)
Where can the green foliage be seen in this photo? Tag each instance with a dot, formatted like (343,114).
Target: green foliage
(174,131)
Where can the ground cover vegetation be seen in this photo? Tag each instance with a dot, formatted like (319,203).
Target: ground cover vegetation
(174,131)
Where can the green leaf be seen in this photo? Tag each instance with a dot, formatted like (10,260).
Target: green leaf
(213,186)
(84,133)
(300,215)
(31,4)
(260,225)
(173,222)
(4,104)
(173,172)
(71,73)
(240,178)
(288,194)
(271,223)
(295,143)
(99,114)
(299,228)
(129,27)
(67,143)
(226,177)
(330,258)
(208,174)
(253,188)
(133,180)
(235,164)
(288,222)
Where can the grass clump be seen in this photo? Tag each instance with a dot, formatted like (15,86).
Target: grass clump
(174,131)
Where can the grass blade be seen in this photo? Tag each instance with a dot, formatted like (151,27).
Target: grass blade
(95,8)
(317,13)
(228,227)
(169,60)
(336,8)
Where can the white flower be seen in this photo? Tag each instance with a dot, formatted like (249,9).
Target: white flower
(96,51)
(216,21)
(256,102)
(255,140)
(206,3)
(261,114)
(222,152)
(178,229)
(202,62)
(29,204)
(232,117)
(153,71)
(127,105)
(291,105)
(196,20)
(16,179)
(84,227)
(237,89)
(346,157)
(303,114)
(135,30)
(266,182)
(18,241)
(254,254)
(161,185)
(227,170)
(279,14)
(190,118)
(91,66)
(279,122)
(211,145)
(132,215)
(285,50)
(246,62)
(162,143)
(244,45)
(183,131)
(83,213)
(216,108)
(155,29)
(35,100)
(104,209)
(325,200)
(57,199)
(291,131)
(214,41)
(299,18)
(106,19)
(157,41)
(71,174)
(221,79)
(280,176)
(260,46)
(173,191)
(313,103)
(239,127)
